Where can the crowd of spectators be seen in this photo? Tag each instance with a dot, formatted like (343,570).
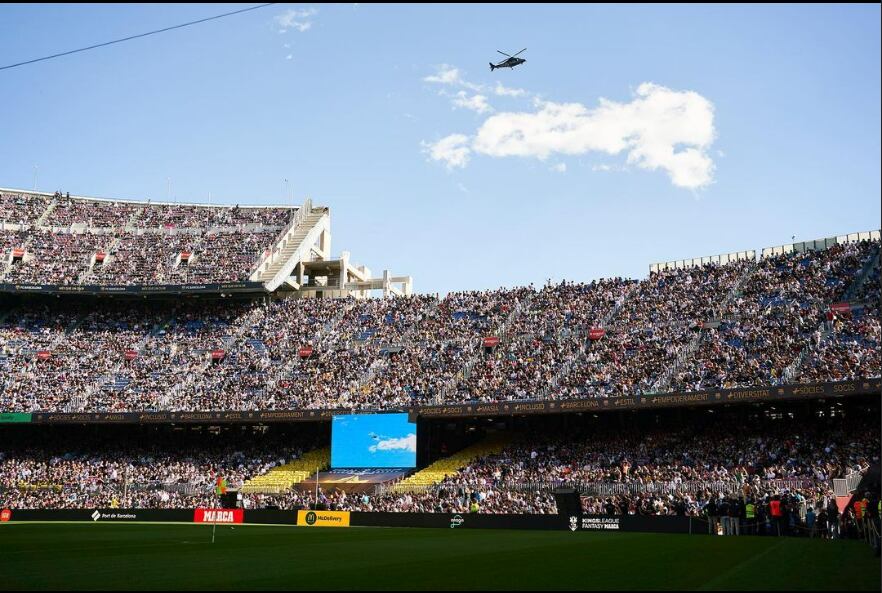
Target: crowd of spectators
(849,351)
(780,311)
(227,257)
(62,257)
(737,324)
(20,209)
(79,241)
(193,216)
(811,512)
(753,459)
(660,319)
(716,468)
(539,342)
(90,213)
(161,470)
(868,292)
(440,500)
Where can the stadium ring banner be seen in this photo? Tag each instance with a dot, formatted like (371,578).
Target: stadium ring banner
(641,523)
(103,515)
(468,410)
(630,523)
(459,521)
(323,518)
(139,290)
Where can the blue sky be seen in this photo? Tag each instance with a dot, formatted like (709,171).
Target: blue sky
(373,440)
(643,133)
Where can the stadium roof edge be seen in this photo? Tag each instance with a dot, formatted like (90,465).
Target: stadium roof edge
(149,201)
(824,242)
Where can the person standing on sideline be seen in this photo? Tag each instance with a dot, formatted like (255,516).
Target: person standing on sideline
(810,521)
(723,511)
(833,519)
(821,521)
(776,512)
(710,511)
(750,517)
(736,512)
(858,509)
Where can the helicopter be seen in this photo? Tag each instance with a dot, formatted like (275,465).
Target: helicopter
(511,62)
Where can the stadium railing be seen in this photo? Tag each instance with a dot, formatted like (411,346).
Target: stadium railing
(848,484)
(614,488)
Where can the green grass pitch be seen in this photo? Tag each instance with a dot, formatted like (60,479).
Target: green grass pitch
(180,556)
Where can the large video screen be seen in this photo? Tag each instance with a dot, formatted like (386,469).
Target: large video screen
(373,441)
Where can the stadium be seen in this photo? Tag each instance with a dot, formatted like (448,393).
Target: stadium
(253,382)
(200,395)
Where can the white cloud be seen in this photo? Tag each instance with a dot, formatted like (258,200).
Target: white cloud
(446,75)
(452,150)
(289,57)
(659,129)
(407,443)
(503,91)
(476,103)
(559,168)
(295,19)
(462,188)
(606,168)
(449,76)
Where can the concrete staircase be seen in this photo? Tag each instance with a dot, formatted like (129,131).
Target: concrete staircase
(791,373)
(46,213)
(8,265)
(293,245)
(567,367)
(88,273)
(474,354)
(868,267)
(232,343)
(321,340)
(663,383)
(79,402)
(177,273)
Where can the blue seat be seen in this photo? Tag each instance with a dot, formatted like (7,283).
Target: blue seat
(257,344)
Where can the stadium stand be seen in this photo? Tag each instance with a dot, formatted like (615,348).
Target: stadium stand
(57,242)
(630,465)
(281,478)
(69,241)
(744,322)
(448,466)
(101,468)
(721,461)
